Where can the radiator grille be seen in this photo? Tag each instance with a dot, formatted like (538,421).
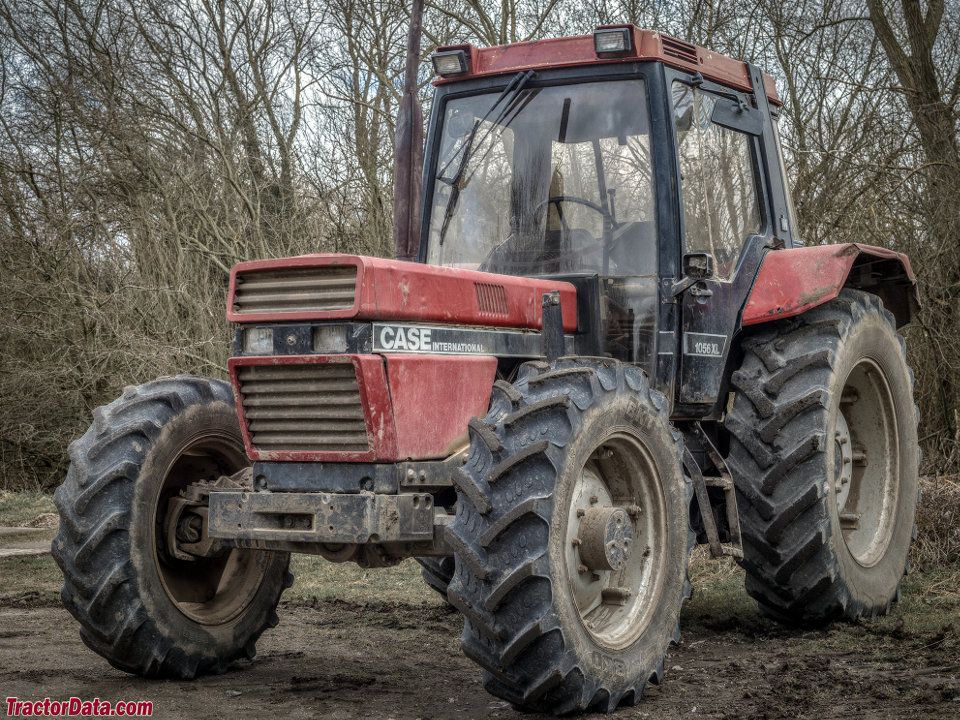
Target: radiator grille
(331,287)
(303,408)
(679,49)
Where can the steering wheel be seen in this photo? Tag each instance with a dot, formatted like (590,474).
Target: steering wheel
(498,258)
(558,199)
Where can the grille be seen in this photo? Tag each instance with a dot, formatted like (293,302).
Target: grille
(332,287)
(679,49)
(303,408)
(492,299)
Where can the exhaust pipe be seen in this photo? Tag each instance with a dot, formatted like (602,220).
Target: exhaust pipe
(408,160)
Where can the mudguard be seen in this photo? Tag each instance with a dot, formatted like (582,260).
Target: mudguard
(792,281)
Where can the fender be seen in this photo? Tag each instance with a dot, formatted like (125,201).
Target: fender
(792,281)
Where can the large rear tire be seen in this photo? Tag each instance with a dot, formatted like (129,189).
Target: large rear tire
(824,454)
(571,537)
(146,612)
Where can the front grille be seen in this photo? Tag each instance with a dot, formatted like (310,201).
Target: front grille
(330,287)
(303,408)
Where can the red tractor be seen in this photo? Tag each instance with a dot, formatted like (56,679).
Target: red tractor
(613,345)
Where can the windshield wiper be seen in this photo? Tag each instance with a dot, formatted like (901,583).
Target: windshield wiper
(510,93)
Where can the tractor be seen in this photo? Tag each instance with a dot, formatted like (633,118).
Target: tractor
(608,344)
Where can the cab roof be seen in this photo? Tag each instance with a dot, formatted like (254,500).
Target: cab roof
(578,50)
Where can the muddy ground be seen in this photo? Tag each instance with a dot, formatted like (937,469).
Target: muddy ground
(347,659)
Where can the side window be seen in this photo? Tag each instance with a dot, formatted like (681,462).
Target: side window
(791,208)
(720,204)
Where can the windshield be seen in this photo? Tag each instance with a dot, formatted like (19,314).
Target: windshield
(536,181)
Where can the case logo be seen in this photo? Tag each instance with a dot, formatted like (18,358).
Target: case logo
(400,338)
(443,341)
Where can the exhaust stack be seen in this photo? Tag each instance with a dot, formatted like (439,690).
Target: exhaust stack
(408,160)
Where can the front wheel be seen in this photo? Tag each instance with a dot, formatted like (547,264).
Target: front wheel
(571,537)
(144,605)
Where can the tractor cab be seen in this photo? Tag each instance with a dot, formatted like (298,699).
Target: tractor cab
(635,169)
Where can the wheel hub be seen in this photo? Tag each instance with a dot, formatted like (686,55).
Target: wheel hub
(866,463)
(614,540)
(843,461)
(606,535)
(207,582)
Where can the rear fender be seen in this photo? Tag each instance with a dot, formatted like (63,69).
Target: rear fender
(792,281)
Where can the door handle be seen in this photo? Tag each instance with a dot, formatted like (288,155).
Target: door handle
(700,290)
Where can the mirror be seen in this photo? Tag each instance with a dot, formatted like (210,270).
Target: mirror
(698,265)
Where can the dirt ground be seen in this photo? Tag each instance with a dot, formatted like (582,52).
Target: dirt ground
(344,659)
(339,654)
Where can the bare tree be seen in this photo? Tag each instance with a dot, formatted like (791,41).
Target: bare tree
(919,40)
(149,145)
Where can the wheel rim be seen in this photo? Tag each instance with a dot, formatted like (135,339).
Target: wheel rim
(615,540)
(212,590)
(866,463)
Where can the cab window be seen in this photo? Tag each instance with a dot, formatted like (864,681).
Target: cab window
(718,182)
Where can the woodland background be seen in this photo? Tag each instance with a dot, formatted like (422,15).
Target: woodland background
(148,145)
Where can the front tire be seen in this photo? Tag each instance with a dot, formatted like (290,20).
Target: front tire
(571,537)
(437,573)
(143,610)
(824,454)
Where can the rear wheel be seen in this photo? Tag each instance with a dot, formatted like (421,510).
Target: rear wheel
(144,605)
(824,454)
(571,537)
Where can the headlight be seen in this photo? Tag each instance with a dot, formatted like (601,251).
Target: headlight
(330,339)
(258,341)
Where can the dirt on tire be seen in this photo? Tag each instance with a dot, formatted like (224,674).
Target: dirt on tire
(339,659)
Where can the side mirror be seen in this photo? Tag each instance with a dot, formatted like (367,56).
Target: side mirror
(698,265)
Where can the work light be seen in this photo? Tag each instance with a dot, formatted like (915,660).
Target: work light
(449,62)
(611,40)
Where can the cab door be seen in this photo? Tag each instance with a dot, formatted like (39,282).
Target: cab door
(723,214)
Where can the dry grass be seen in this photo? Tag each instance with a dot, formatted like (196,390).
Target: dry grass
(938,523)
(318,579)
(23,509)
